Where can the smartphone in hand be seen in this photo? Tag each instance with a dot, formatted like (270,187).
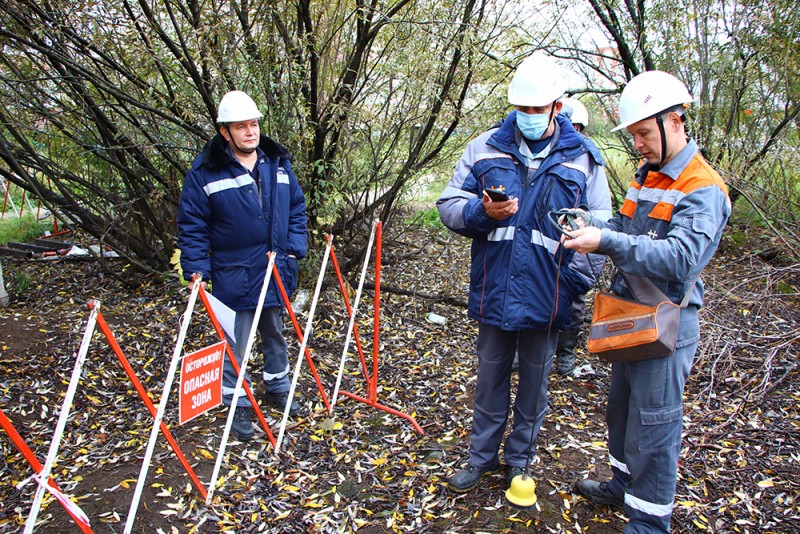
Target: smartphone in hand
(496,195)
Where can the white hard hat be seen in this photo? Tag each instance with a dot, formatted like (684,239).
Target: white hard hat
(649,94)
(575,111)
(538,81)
(237,106)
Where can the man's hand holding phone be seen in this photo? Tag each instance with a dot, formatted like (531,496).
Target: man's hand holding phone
(498,204)
(497,195)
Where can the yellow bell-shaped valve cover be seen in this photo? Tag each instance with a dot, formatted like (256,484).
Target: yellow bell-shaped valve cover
(521,493)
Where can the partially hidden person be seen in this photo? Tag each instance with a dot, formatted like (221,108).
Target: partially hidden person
(577,113)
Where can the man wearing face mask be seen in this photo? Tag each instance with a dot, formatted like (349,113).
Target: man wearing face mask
(522,279)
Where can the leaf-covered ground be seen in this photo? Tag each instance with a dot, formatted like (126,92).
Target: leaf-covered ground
(362,469)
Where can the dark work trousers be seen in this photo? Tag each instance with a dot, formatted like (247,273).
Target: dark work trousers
(496,350)
(645,421)
(273,348)
(568,339)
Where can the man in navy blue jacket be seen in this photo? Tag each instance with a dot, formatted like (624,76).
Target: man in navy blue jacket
(241,200)
(522,280)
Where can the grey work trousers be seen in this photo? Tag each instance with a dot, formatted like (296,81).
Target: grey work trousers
(496,349)
(273,349)
(645,421)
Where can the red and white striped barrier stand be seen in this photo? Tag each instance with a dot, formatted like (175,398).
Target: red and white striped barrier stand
(71,508)
(62,420)
(371,378)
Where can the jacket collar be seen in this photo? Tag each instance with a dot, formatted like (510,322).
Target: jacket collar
(215,153)
(675,167)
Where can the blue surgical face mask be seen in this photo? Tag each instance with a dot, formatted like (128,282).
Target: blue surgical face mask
(533,126)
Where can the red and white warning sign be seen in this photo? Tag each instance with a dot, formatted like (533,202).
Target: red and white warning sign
(201,381)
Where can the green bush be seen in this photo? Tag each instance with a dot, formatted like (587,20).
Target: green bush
(428,218)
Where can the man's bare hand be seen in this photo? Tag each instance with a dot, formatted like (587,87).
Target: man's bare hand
(572,219)
(202,284)
(500,210)
(584,240)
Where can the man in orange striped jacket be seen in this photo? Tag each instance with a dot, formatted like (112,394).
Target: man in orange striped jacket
(667,230)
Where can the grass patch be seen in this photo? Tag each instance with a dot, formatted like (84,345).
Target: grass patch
(20,229)
(428,218)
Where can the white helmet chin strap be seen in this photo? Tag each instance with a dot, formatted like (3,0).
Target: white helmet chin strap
(245,150)
(662,131)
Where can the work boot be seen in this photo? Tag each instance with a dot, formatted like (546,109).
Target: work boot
(514,472)
(467,479)
(242,427)
(598,493)
(565,351)
(278,401)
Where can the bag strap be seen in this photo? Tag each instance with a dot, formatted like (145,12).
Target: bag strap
(685,301)
(646,292)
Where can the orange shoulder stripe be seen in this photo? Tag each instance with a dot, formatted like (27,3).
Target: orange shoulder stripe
(628,208)
(629,205)
(656,180)
(699,173)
